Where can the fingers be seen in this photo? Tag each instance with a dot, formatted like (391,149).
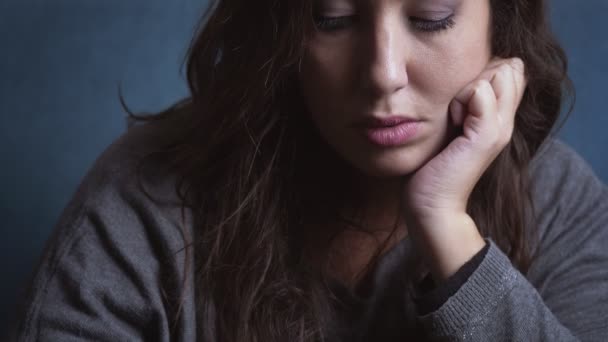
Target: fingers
(463,101)
(509,84)
(460,106)
(505,88)
(483,100)
(507,80)
(482,109)
(476,106)
(511,72)
(458,112)
(519,75)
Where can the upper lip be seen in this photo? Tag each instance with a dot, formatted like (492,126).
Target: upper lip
(385,121)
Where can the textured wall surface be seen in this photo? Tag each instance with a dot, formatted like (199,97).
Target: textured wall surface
(63,60)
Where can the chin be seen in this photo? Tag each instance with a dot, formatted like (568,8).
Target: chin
(398,163)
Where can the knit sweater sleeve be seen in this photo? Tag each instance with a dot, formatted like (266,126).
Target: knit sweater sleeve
(564,296)
(113,269)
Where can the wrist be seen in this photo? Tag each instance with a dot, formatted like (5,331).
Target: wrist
(447,242)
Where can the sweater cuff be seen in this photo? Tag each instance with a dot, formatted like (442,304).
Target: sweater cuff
(433,296)
(480,293)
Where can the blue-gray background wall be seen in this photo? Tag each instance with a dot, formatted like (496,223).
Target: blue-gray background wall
(61,63)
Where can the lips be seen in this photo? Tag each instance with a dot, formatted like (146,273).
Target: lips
(390,131)
(377,122)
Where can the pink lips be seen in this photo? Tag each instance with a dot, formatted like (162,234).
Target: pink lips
(390,131)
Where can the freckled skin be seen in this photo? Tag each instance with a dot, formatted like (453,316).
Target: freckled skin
(381,65)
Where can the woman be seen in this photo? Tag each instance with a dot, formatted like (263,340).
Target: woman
(343,171)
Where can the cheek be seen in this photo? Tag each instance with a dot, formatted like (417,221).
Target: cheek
(325,79)
(440,74)
(443,67)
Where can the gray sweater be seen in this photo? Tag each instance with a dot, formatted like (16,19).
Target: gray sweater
(112,269)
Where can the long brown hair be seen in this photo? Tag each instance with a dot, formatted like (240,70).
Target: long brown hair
(243,150)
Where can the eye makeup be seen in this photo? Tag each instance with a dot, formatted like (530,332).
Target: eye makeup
(427,17)
(433,15)
(330,24)
(433,25)
(332,16)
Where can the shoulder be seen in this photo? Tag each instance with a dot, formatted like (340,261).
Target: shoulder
(570,264)
(125,184)
(555,159)
(127,191)
(115,246)
(558,172)
(570,201)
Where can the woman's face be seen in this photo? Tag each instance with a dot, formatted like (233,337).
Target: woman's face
(391,59)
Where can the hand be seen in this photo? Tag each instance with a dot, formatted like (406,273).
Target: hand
(437,194)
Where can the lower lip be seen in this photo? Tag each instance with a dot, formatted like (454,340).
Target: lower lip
(393,135)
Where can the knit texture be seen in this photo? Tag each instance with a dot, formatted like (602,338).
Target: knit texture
(113,268)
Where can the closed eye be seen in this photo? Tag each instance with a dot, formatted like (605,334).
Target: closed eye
(329,24)
(427,25)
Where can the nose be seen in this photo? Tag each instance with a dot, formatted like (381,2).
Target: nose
(384,66)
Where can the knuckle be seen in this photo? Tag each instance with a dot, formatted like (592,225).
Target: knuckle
(506,67)
(517,64)
(503,71)
(480,85)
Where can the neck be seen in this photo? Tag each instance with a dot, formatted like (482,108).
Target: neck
(371,224)
(379,203)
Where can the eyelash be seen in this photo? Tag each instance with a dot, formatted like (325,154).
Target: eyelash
(330,24)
